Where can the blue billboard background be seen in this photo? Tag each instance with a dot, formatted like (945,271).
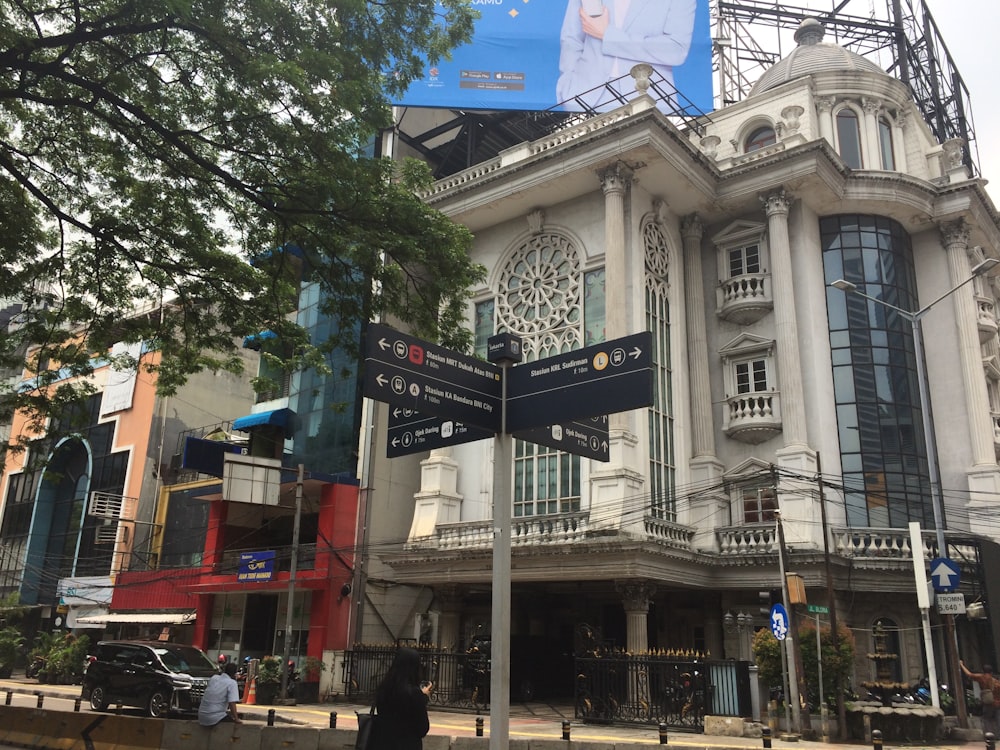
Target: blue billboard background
(513,59)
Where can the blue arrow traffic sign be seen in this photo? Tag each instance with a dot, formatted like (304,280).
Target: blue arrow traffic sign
(779,621)
(945,574)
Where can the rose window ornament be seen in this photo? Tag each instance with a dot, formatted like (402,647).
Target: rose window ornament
(540,286)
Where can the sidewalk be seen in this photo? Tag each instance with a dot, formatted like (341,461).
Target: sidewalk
(534,721)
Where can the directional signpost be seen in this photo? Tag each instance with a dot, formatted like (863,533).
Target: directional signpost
(596,380)
(445,398)
(412,432)
(404,371)
(587,437)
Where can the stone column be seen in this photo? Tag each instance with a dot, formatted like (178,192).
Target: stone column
(824,110)
(635,598)
(898,144)
(793,417)
(702,435)
(615,182)
(955,238)
(450,602)
(621,477)
(869,134)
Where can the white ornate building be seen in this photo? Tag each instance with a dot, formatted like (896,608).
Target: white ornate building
(773,389)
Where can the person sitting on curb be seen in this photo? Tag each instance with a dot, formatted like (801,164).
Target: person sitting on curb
(218,704)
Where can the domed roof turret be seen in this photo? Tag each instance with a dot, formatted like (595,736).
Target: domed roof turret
(812,55)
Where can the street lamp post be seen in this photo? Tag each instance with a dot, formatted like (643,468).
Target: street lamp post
(930,441)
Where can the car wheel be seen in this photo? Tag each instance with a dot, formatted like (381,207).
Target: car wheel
(98,699)
(158,705)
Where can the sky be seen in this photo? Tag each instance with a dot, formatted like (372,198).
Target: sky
(968,28)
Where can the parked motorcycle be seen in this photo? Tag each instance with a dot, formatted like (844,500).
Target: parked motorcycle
(35,668)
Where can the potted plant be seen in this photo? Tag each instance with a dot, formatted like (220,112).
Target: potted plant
(268,680)
(307,688)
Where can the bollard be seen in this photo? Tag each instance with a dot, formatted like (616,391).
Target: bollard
(565,730)
(41,699)
(663,734)
(10,695)
(990,740)
(479,726)
(765,734)
(76,706)
(876,739)
(333,720)
(270,717)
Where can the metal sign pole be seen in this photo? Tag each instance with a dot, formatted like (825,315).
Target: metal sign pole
(500,627)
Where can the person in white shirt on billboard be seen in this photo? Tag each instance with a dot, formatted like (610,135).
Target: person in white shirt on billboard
(602,39)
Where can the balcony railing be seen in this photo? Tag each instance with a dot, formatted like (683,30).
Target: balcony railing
(744,299)
(752,417)
(530,530)
(986,318)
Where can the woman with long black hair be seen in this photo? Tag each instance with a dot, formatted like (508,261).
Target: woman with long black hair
(401,705)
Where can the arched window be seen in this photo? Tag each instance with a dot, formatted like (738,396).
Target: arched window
(885,144)
(760,138)
(849,137)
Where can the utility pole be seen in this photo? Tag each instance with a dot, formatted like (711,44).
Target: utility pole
(794,668)
(831,602)
(292,571)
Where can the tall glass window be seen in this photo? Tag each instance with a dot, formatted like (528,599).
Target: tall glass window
(849,137)
(662,461)
(875,373)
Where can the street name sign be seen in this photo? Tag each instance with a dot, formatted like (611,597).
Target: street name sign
(817,609)
(586,437)
(951,604)
(412,432)
(404,371)
(596,380)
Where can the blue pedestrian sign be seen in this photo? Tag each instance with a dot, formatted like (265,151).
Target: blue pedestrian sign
(779,621)
(944,575)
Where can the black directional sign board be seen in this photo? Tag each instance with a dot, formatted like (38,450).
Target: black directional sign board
(601,379)
(587,437)
(410,432)
(404,371)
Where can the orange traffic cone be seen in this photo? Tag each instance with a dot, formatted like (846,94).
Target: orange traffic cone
(251,699)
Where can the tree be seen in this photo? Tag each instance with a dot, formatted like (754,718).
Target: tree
(149,151)
(838,664)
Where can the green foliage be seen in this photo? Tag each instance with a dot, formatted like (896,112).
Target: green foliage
(312,668)
(65,657)
(838,663)
(149,151)
(767,655)
(269,671)
(11,641)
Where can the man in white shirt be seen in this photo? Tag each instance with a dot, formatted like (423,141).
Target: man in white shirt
(219,701)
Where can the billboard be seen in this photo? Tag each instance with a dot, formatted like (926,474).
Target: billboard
(537,54)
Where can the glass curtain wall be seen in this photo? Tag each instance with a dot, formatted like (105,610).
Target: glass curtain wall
(875,373)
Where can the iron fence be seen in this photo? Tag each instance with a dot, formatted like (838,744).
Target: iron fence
(612,688)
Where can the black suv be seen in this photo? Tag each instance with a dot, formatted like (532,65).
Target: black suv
(158,677)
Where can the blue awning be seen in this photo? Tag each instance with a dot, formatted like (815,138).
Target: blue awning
(277,417)
(256,340)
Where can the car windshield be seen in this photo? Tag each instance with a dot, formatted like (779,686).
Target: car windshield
(187,660)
